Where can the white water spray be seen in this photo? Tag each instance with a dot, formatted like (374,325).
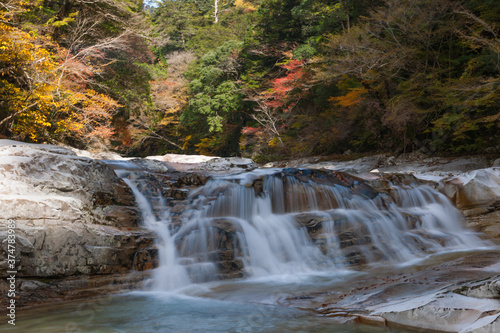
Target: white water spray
(170,274)
(233,228)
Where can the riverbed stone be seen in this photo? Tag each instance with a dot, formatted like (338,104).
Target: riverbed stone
(477,195)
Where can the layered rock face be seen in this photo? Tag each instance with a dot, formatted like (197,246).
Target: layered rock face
(73,217)
(477,195)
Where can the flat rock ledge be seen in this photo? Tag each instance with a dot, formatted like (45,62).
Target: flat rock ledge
(462,295)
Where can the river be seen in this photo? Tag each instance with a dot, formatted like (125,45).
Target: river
(294,235)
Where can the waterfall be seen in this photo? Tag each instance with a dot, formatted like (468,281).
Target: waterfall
(170,274)
(280,222)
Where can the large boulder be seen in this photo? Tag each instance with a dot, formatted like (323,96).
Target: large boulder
(477,195)
(72,214)
(227,165)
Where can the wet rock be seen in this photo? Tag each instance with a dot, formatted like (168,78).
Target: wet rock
(179,193)
(371,320)
(424,300)
(31,285)
(152,165)
(479,190)
(118,216)
(446,312)
(42,290)
(477,194)
(312,220)
(230,267)
(146,258)
(221,255)
(258,186)
(357,166)
(481,289)
(191,179)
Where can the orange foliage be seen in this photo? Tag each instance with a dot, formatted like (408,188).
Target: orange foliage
(46,88)
(354,97)
(282,87)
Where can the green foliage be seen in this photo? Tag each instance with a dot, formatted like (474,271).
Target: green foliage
(175,23)
(216,95)
(393,75)
(308,20)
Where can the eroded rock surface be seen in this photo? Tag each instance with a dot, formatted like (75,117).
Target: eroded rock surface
(73,216)
(446,294)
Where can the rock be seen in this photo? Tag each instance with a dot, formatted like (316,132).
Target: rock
(486,324)
(482,289)
(230,267)
(228,164)
(390,161)
(191,179)
(183,159)
(446,312)
(477,194)
(22,244)
(42,290)
(146,258)
(476,189)
(31,285)
(73,215)
(371,320)
(358,166)
(118,216)
(312,220)
(298,184)
(152,165)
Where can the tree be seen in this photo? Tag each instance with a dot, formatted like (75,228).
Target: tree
(215,91)
(391,61)
(44,88)
(175,23)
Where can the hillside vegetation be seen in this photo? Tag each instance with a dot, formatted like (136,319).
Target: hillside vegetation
(270,79)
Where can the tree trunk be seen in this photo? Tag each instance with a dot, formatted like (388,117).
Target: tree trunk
(216,11)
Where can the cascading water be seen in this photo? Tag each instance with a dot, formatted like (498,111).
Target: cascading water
(170,274)
(279,222)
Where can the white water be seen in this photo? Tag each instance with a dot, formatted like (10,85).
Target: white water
(170,274)
(259,234)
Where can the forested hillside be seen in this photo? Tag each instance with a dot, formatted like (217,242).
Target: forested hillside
(267,79)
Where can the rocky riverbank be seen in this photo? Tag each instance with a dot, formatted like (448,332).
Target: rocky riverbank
(76,224)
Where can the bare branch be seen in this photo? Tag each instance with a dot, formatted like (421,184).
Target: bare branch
(17,113)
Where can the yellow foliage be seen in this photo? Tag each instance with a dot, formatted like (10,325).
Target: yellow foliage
(246,4)
(352,98)
(207,146)
(274,142)
(186,142)
(39,100)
